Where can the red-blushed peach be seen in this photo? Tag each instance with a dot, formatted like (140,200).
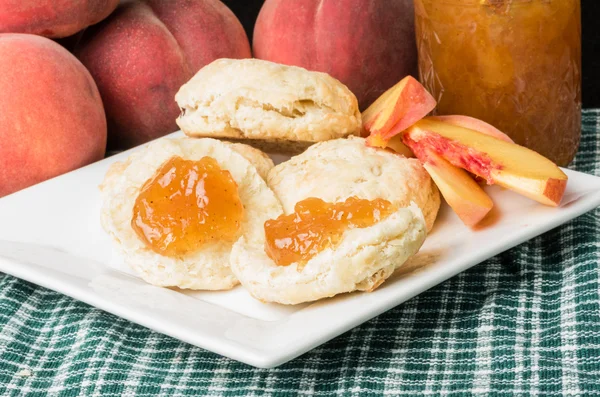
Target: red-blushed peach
(473,124)
(51,18)
(395,110)
(497,161)
(51,119)
(459,189)
(145,51)
(367,45)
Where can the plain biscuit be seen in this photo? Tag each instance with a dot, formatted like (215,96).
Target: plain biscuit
(277,107)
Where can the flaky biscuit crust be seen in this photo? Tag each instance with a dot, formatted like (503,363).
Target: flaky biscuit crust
(264,101)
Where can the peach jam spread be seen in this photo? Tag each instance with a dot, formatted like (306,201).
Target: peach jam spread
(316,225)
(185,204)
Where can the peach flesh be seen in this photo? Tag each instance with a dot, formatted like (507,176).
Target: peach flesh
(506,164)
(461,192)
(396,110)
(473,124)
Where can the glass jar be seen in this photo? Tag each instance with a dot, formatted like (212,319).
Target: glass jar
(513,63)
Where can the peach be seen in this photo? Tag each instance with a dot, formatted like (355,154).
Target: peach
(51,18)
(461,192)
(145,51)
(497,161)
(399,147)
(369,46)
(397,109)
(473,124)
(52,120)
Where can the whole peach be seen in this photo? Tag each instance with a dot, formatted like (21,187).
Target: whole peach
(51,115)
(145,51)
(51,18)
(367,45)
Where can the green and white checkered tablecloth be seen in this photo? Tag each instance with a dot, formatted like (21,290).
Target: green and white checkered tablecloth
(526,322)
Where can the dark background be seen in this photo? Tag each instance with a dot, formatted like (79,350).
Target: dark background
(247,10)
(591,59)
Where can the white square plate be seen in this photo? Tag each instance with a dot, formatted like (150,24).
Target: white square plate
(50,234)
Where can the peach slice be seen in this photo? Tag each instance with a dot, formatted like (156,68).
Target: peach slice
(396,144)
(498,162)
(461,192)
(395,110)
(473,124)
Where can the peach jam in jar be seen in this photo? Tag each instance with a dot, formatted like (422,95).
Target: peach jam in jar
(513,63)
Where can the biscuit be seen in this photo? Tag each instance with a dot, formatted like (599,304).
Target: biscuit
(277,107)
(207,268)
(364,258)
(341,168)
(260,160)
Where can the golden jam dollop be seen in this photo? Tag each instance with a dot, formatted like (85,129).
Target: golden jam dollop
(316,225)
(186,204)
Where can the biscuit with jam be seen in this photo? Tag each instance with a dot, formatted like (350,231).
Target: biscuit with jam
(176,207)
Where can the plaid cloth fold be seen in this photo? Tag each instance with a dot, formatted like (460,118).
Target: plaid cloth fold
(525,322)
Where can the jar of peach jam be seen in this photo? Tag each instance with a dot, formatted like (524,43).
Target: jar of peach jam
(513,63)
